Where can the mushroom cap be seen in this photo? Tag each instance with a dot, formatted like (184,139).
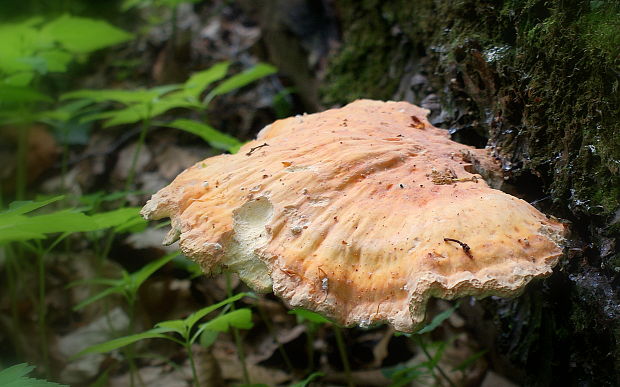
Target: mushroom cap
(360,213)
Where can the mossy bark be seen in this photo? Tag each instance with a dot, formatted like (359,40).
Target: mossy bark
(539,82)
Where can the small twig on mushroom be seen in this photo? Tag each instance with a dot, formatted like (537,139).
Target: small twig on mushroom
(255,148)
(416,123)
(324,283)
(465,246)
(314,147)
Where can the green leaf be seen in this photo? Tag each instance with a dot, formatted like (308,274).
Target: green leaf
(403,376)
(122,96)
(174,3)
(198,82)
(311,377)
(128,4)
(95,281)
(15,376)
(133,225)
(139,112)
(145,272)
(56,60)
(60,221)
(188,265)
(437,320)
(141,104)
(129,115)
(193,318)
(214,137)
(82,35)
(19,41)
(155,333)
(21,79)
(441,347)
(129,282)
(310,316)
(23,207)
(15,372)
(20,227)
(240,318)
(470,360)
(109,291)
(207,338)
(13,235)
(242,79)
(177,326)
(59,119)
(96,198)
(102,380)
(21,94)
(117,217)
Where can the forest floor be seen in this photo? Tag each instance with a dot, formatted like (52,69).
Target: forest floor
(91,165)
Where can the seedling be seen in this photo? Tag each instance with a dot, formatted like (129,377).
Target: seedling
(146,104)
(314,320)
(15,376)
(128,285)
(17,225)
(183,333)
(404,375)
(29,51)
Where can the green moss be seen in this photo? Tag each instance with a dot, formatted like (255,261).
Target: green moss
(542,76)
(578,111)
(557,62)
(359,71)
(600,28)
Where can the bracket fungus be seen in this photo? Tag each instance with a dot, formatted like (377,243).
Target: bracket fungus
(361,213)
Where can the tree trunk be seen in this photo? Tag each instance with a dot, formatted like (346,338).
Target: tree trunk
(538,81)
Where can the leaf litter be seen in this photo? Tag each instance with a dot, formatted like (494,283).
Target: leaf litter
(101,165)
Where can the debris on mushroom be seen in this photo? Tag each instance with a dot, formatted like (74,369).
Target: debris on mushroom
(362,222)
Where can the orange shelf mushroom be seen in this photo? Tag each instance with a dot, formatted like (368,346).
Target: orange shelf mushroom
(360,213)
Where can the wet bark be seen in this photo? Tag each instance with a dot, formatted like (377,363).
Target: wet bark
(538,81)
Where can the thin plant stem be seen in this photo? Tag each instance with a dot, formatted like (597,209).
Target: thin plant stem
(422,346)
(190,354)
(146,123)
(22,162)
(129,349)
(42,307)
(272,332)
(310,346)
(241,355)
(132,368)
(237,336)
(343,355)
(130,354)
(134,159)
(42,311)
(12,272)
(65,160)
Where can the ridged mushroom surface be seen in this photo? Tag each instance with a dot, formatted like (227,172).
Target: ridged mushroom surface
(360,213)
